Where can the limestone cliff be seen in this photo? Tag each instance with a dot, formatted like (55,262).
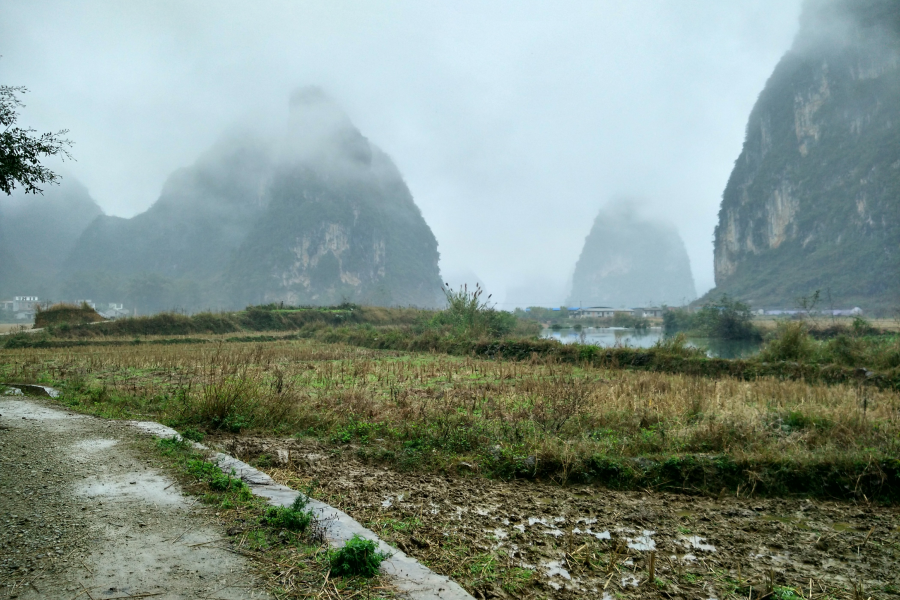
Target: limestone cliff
(813,202)
(316,215)
(339,223)
(630,261)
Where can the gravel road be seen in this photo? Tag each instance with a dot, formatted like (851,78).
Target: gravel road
(87,511)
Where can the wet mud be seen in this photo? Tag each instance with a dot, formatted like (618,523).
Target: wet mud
(528,539)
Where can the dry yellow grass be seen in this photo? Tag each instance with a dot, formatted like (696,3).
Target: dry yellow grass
(770,323)
(465,406)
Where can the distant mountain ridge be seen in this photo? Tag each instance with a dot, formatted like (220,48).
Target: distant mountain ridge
(317,216)
(39,231)
(813,202)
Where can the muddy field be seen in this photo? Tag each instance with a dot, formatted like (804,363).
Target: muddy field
(540,540)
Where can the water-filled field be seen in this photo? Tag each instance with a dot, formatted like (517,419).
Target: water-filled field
(609,337)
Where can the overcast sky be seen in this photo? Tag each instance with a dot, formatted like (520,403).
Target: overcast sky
(512,122)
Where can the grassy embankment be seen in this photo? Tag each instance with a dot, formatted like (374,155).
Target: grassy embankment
(469,329)
(66,314)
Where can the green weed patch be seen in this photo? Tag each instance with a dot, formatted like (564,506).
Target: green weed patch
(295,517)
(357,557)
(284,536)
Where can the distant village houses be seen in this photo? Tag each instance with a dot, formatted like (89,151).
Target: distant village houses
(608,311)
(837,312)
(22,308)
(113,310)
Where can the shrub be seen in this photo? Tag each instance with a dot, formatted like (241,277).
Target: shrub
(791,342)
(215,478)
(228,404)
(359,556)
(678,319)
(725,318)
(295,517)
(469,316)
(193,435)
(677,345)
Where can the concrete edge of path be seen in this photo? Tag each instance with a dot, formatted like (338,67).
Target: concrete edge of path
(407,574)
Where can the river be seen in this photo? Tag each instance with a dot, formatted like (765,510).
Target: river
(608,337)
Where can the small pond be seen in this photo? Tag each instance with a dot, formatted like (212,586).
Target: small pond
(608,337)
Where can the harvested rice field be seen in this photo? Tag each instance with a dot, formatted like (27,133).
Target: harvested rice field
(536,479)
(534,539)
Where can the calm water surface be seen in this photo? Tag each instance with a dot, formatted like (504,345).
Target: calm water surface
(608,337)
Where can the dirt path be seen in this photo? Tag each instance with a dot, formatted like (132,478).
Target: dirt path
(540,540)
(86,511)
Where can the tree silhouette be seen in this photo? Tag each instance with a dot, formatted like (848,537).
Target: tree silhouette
(21,149)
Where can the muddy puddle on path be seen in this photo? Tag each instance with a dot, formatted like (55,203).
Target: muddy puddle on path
(538,540)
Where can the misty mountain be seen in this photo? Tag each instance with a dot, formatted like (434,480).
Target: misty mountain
(39,231)
(318,215)
(202,215)
(9,268)
(630,261)
(813,202)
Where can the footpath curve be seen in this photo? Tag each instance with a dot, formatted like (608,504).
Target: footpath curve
(80,454)
(406,573)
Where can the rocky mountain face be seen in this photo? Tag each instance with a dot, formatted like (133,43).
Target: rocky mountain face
(630,261)
(813,202)
(339,223)
(317,216)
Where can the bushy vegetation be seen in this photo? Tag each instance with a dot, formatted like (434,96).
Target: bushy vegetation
(357,557)
(469,315)
(561,318)
(794,341)
(451,333)
(295,517)
(272,535)
(66,314)
(272,317)
(215,478)
(725,318)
